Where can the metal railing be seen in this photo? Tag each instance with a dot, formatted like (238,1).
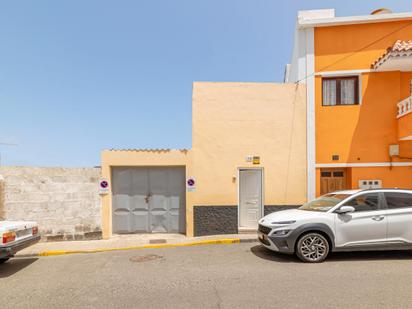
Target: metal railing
(405,107)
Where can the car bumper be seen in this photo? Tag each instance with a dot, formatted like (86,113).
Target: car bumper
(278,243)
(10,250)
(265,241)
(283,244)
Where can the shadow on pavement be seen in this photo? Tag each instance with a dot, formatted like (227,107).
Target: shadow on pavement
(370,255)
(266,254)
(263,253)
(14,265)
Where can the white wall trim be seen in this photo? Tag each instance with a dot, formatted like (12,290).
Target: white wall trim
(310,114)
(348,20)
(343,72)
(373,164)
(407,138)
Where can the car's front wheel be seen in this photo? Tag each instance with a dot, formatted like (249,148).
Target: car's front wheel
(312,248)
(3,260)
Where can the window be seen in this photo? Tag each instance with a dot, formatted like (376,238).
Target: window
(365,202)
(398,200)
(340,90)
(324,203)
(325,174)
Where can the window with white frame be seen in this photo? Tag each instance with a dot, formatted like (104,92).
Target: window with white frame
(340,90)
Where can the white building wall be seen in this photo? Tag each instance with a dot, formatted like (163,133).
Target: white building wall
(302,71)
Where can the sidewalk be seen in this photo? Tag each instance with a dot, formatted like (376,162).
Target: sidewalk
(131,242)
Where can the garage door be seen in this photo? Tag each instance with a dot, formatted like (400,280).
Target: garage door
(149,200)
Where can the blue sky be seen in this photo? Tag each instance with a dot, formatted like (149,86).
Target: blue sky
(77,77)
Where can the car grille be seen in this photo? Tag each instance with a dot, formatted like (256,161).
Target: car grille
(264,229)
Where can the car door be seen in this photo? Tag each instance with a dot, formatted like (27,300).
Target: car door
(399,216)
(367,225)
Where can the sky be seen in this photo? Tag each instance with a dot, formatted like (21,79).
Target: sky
(78,77)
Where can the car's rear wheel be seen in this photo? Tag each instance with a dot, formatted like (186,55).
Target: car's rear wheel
(3,260)
(312,248)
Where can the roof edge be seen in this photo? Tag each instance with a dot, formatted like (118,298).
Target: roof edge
(146,150)
(349,20)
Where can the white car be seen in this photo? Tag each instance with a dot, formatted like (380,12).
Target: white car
(15,236)
(375,219)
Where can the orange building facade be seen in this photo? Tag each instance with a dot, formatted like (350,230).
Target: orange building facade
(358,72)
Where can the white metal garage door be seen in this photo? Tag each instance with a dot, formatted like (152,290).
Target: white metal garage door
(149,200)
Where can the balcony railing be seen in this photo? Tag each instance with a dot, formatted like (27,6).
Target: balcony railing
(405,107)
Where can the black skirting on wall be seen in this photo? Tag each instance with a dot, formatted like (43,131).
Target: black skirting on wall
(215,220)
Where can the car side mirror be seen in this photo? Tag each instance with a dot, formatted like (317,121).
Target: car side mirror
(345,210)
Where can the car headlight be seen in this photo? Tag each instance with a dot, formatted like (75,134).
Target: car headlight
(284,222)
(281,232)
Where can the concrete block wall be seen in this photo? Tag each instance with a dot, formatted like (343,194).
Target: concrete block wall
(64,201)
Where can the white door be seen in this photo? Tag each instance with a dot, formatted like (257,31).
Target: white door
(366,226)
(250,198)
(399,216)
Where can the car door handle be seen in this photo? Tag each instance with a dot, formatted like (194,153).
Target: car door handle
(378,218)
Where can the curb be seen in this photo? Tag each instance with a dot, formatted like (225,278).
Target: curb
(227,241)
(248,240)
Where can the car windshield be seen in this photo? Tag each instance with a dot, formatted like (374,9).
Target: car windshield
(324,203)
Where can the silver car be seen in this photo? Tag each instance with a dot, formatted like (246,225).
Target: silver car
(375,219)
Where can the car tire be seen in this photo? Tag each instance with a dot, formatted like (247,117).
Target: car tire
(3,260)
(312,248)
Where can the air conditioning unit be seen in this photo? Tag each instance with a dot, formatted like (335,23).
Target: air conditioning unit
(370,184)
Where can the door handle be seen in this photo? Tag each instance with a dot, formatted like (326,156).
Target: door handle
(378,218)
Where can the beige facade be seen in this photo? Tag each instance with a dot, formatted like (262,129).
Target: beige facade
(231,122)
(234,120)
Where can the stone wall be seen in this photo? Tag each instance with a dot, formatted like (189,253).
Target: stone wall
(64,201)
(215,220)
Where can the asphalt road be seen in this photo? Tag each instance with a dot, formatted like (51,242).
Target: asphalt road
(219,276)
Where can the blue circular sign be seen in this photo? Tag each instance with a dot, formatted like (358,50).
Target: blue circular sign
(104,184)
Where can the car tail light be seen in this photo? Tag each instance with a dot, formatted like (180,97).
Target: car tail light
(35,230)
(8,237)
